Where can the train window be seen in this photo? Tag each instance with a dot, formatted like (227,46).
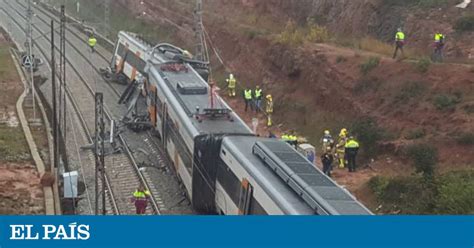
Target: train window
(256,208)
(228,181)
(224,152)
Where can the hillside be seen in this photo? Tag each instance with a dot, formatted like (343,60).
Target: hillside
(328,67)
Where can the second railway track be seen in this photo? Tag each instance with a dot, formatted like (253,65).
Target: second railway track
(126,172)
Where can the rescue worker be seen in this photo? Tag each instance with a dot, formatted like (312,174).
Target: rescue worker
(231,84)
(258,96)
(327,159)
(269,110)
(293,139)
(352,148)
(438,45)
(399,43)
(327,140)
(248,97)
(92,42)
(341,148)
(141,197)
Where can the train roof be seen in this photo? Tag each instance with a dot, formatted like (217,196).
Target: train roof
(291,180)
(190,92)
(241,148)
(186,86)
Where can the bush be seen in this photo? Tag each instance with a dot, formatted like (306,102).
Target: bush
(378,185)
(465,139)
(415,134)
(291,35)
(424,157)
(456,191)
(369,134)
(369,65)
(296,36)
(446,102)
(410,90)
(317,33)
(450,193)
(423,65)
(465,23)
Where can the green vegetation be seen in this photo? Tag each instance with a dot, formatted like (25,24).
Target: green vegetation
(409,91)
(296,36)
(369,134)
(424,157)
(465,23)
(423,65)
(415,134)
(369,65)
(13,147)
(447,102)
(450,193)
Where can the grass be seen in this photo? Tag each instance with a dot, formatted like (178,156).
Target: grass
(13,147)
(376,46)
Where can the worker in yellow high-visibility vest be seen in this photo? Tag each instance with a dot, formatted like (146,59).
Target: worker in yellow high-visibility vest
(232,82)
(141,197)
(92,42)
(269,110)
(399,43)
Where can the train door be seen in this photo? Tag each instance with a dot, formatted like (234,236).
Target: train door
(245,199)
(153,96)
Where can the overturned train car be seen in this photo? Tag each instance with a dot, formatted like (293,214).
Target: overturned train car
(224,167)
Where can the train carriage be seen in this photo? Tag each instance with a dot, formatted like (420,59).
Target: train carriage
(223,166)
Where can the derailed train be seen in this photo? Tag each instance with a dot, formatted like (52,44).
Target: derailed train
(224,167)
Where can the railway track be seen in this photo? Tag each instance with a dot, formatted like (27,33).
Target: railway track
(123,173)
(146,140)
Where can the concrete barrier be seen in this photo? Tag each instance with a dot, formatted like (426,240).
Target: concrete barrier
(49,196)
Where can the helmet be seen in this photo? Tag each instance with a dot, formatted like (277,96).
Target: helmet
(258,86)
(231,76)
(269,96)
(399,29)
(327,132)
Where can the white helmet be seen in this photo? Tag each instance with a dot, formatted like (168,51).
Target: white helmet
(231,76)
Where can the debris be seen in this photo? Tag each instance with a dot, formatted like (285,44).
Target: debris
(464,4)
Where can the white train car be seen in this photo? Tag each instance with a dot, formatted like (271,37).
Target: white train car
(223,166)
